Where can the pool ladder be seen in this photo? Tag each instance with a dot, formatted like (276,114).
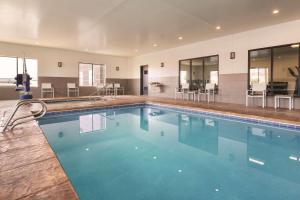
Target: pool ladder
(100,93)
(12,122)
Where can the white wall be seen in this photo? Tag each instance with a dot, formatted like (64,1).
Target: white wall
(49,57)
(240,43)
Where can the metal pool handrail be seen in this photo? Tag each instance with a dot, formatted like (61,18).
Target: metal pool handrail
(12,123)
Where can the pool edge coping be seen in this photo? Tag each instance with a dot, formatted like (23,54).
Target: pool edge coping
(195,110)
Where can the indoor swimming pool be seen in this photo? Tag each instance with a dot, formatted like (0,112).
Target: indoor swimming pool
(153,152)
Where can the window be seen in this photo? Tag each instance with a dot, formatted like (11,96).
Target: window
(277,67)
(260,66)
(11,66)
(214,77)
(259,75)
(199,71)
(92,74)
(8,69)
(184,72)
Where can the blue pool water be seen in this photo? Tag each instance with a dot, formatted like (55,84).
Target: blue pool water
(148,152)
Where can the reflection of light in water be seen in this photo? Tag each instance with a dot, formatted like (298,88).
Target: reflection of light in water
(136,148)
(87,149)
(256,161)
(217,190)
(179,170)
(154,157)
(293,157)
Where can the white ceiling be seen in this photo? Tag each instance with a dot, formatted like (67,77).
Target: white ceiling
(119,27)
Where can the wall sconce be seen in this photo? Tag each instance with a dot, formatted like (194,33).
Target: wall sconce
(232,55)
(117,68)
(59,64)
(162,64)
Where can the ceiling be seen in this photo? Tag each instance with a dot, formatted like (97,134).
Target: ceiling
(131,27)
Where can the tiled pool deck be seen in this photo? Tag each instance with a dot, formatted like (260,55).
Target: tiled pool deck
(29,168)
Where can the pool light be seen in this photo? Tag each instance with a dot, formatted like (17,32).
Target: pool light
(256,161)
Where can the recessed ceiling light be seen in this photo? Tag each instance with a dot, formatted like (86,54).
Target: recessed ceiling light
(180,38)
(218,27)
(86,49)
(136,50)
(155,45)
(295,45)
(275,11)
(37,43)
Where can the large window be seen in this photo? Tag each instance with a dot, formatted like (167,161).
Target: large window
(11,66)
(92,74)
(199,71)
(277,67)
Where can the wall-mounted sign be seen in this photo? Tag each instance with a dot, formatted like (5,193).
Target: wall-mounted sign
(117,68)
(232,55)
(59,64)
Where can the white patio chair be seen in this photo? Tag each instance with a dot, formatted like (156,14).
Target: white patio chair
(71,88)
(258,91)
(47,88)
(178,92)
(117,87)
(109,89)
(209,91)
(187,92)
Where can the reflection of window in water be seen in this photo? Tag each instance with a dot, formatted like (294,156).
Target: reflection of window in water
(198,132)
(257,131)
(185,118)
(92,122)
(209,122)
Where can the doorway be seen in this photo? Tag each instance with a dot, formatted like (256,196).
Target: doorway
(144,80)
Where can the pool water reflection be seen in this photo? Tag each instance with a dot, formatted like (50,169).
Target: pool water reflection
(151,153)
